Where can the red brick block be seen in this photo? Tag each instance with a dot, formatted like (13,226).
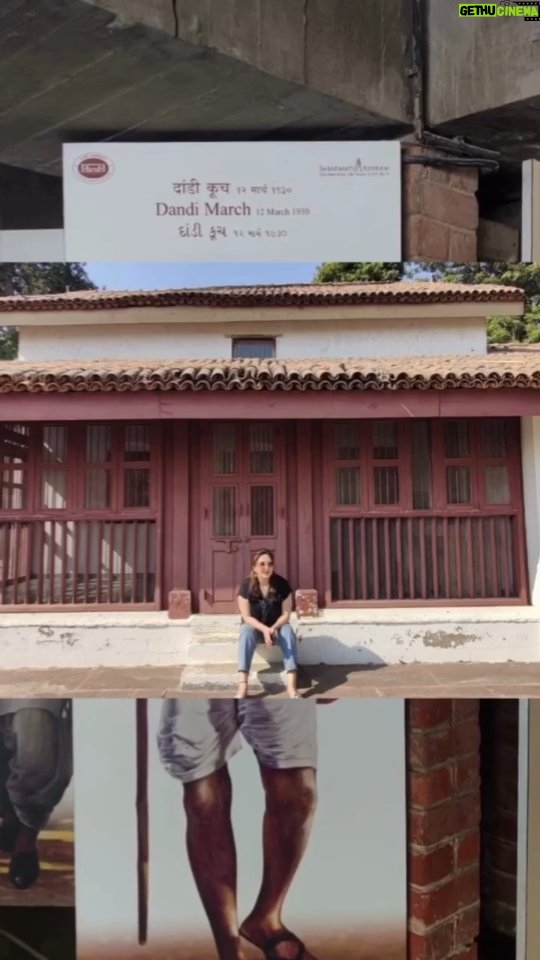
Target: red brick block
(429,789)
(467,851)
(430,749)
(430,867)
(437,174)
(467,778)
(448,820)
(425,238)
(465,710)
(413,175)
(440,208)
(433,944)
(467,886)
(467,927)
(442,203)
(444,901)
(306,603)
(461,179)
(463,246)
(429,713)
(466,738)
(179,604)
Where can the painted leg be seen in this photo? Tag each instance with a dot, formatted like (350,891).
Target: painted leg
(287,642)
(212,855)
(291,799)
(34,743)
(249,638)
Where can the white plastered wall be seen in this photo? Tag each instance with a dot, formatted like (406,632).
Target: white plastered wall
(294,339)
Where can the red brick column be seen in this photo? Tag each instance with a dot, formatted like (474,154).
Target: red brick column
(440,209)
(179,604)
(306,603)
(444,829)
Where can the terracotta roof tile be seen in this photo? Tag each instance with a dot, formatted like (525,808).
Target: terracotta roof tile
(498,369)
(310,294)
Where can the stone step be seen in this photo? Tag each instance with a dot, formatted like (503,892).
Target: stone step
(221,637)
(224,676)
(204,625)
(227,652)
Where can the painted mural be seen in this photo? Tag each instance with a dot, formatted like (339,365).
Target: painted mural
(240,829)
(36,803)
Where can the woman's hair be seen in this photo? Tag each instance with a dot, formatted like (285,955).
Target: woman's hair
(254,585)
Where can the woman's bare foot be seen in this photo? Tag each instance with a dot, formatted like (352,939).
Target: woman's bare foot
(292,688)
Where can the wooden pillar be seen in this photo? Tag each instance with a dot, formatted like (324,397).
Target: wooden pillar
(304,480)
(176,518)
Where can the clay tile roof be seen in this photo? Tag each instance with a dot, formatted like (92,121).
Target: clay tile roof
(501,368)
(309,294)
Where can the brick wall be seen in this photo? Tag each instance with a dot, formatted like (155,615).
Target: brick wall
(440,210)
(499,721)
(444,829)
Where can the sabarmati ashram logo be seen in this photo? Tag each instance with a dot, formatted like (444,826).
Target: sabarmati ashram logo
(356,169)
(93,168)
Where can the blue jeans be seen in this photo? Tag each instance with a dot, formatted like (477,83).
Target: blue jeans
(250,637)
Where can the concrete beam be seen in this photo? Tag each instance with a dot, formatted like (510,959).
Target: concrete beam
(476,64)
(484,79)
(357,52)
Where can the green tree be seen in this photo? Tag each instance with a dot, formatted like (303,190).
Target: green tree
(356,272)
(500,329)
(24,279)
(524,275)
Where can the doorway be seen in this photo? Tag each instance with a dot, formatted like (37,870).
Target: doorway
(242,506)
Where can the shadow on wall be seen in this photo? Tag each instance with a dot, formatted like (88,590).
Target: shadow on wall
(317,649)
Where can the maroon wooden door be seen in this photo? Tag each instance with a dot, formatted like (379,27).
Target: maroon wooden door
(243,501)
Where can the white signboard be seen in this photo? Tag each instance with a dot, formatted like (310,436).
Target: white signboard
(232,202)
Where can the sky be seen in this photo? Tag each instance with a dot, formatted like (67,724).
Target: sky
(161,276)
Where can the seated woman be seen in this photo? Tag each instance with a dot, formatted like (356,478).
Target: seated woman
(265,605)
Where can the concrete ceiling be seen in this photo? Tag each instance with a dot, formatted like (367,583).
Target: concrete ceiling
(72,71)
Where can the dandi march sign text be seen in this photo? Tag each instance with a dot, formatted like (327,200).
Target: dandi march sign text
(232,201)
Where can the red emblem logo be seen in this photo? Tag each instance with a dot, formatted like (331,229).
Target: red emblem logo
(93,168)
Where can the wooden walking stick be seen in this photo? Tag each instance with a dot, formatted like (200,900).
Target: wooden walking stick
(142,817)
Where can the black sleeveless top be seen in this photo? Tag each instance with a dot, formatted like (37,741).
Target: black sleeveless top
(267,609)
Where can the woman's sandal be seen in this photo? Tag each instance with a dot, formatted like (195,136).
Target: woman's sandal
(270,945)
(242,690)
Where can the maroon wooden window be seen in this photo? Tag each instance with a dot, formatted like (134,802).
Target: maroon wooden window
(79,515)
(424,511)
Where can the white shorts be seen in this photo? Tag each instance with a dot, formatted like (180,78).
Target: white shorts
(198,737)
